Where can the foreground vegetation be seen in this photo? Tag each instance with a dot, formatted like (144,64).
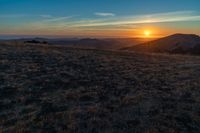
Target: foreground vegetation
(59,89)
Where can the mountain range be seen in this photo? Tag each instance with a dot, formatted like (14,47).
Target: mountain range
(175,44)
(87,43)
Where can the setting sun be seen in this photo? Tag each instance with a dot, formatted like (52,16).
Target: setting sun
(147,33)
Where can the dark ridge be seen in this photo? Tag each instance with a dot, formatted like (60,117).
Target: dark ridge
(177,43)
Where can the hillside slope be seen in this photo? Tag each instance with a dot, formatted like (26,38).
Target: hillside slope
(177,43)
(60,89)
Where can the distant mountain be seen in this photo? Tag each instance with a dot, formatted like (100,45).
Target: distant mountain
(112,43)
(106,43)
(88,43)
(177,43)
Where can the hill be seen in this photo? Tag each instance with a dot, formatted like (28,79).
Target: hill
(177,43)
(48,88)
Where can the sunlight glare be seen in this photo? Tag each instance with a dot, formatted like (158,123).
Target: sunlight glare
(147,33)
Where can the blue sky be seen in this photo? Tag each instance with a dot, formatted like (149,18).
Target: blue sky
(124,18)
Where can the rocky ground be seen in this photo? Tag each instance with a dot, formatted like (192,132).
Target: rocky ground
(59,89)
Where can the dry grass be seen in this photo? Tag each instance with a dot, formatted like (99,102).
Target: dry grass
(60,89)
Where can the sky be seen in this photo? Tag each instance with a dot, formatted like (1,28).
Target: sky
(99,18)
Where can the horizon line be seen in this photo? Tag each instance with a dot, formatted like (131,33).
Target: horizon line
(15,36)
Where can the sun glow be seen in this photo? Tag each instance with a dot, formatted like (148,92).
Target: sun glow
(147,33)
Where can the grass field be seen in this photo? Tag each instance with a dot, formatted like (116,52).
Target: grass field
(59,89)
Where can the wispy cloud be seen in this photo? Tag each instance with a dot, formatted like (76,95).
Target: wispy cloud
(143,19)
(104,14)
(46,17)
(69,24)
(115,23)
(53,19)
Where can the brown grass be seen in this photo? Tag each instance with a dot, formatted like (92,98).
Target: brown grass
(60,89)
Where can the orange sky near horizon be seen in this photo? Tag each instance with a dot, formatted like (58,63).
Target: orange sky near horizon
(96,19)
(155,32)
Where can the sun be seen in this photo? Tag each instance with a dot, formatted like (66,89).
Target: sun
(147,33)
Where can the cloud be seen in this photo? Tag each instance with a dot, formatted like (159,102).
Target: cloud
(119,22)
(46,17)
(64,24)
(53,19)
(104,14)
(177,16)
